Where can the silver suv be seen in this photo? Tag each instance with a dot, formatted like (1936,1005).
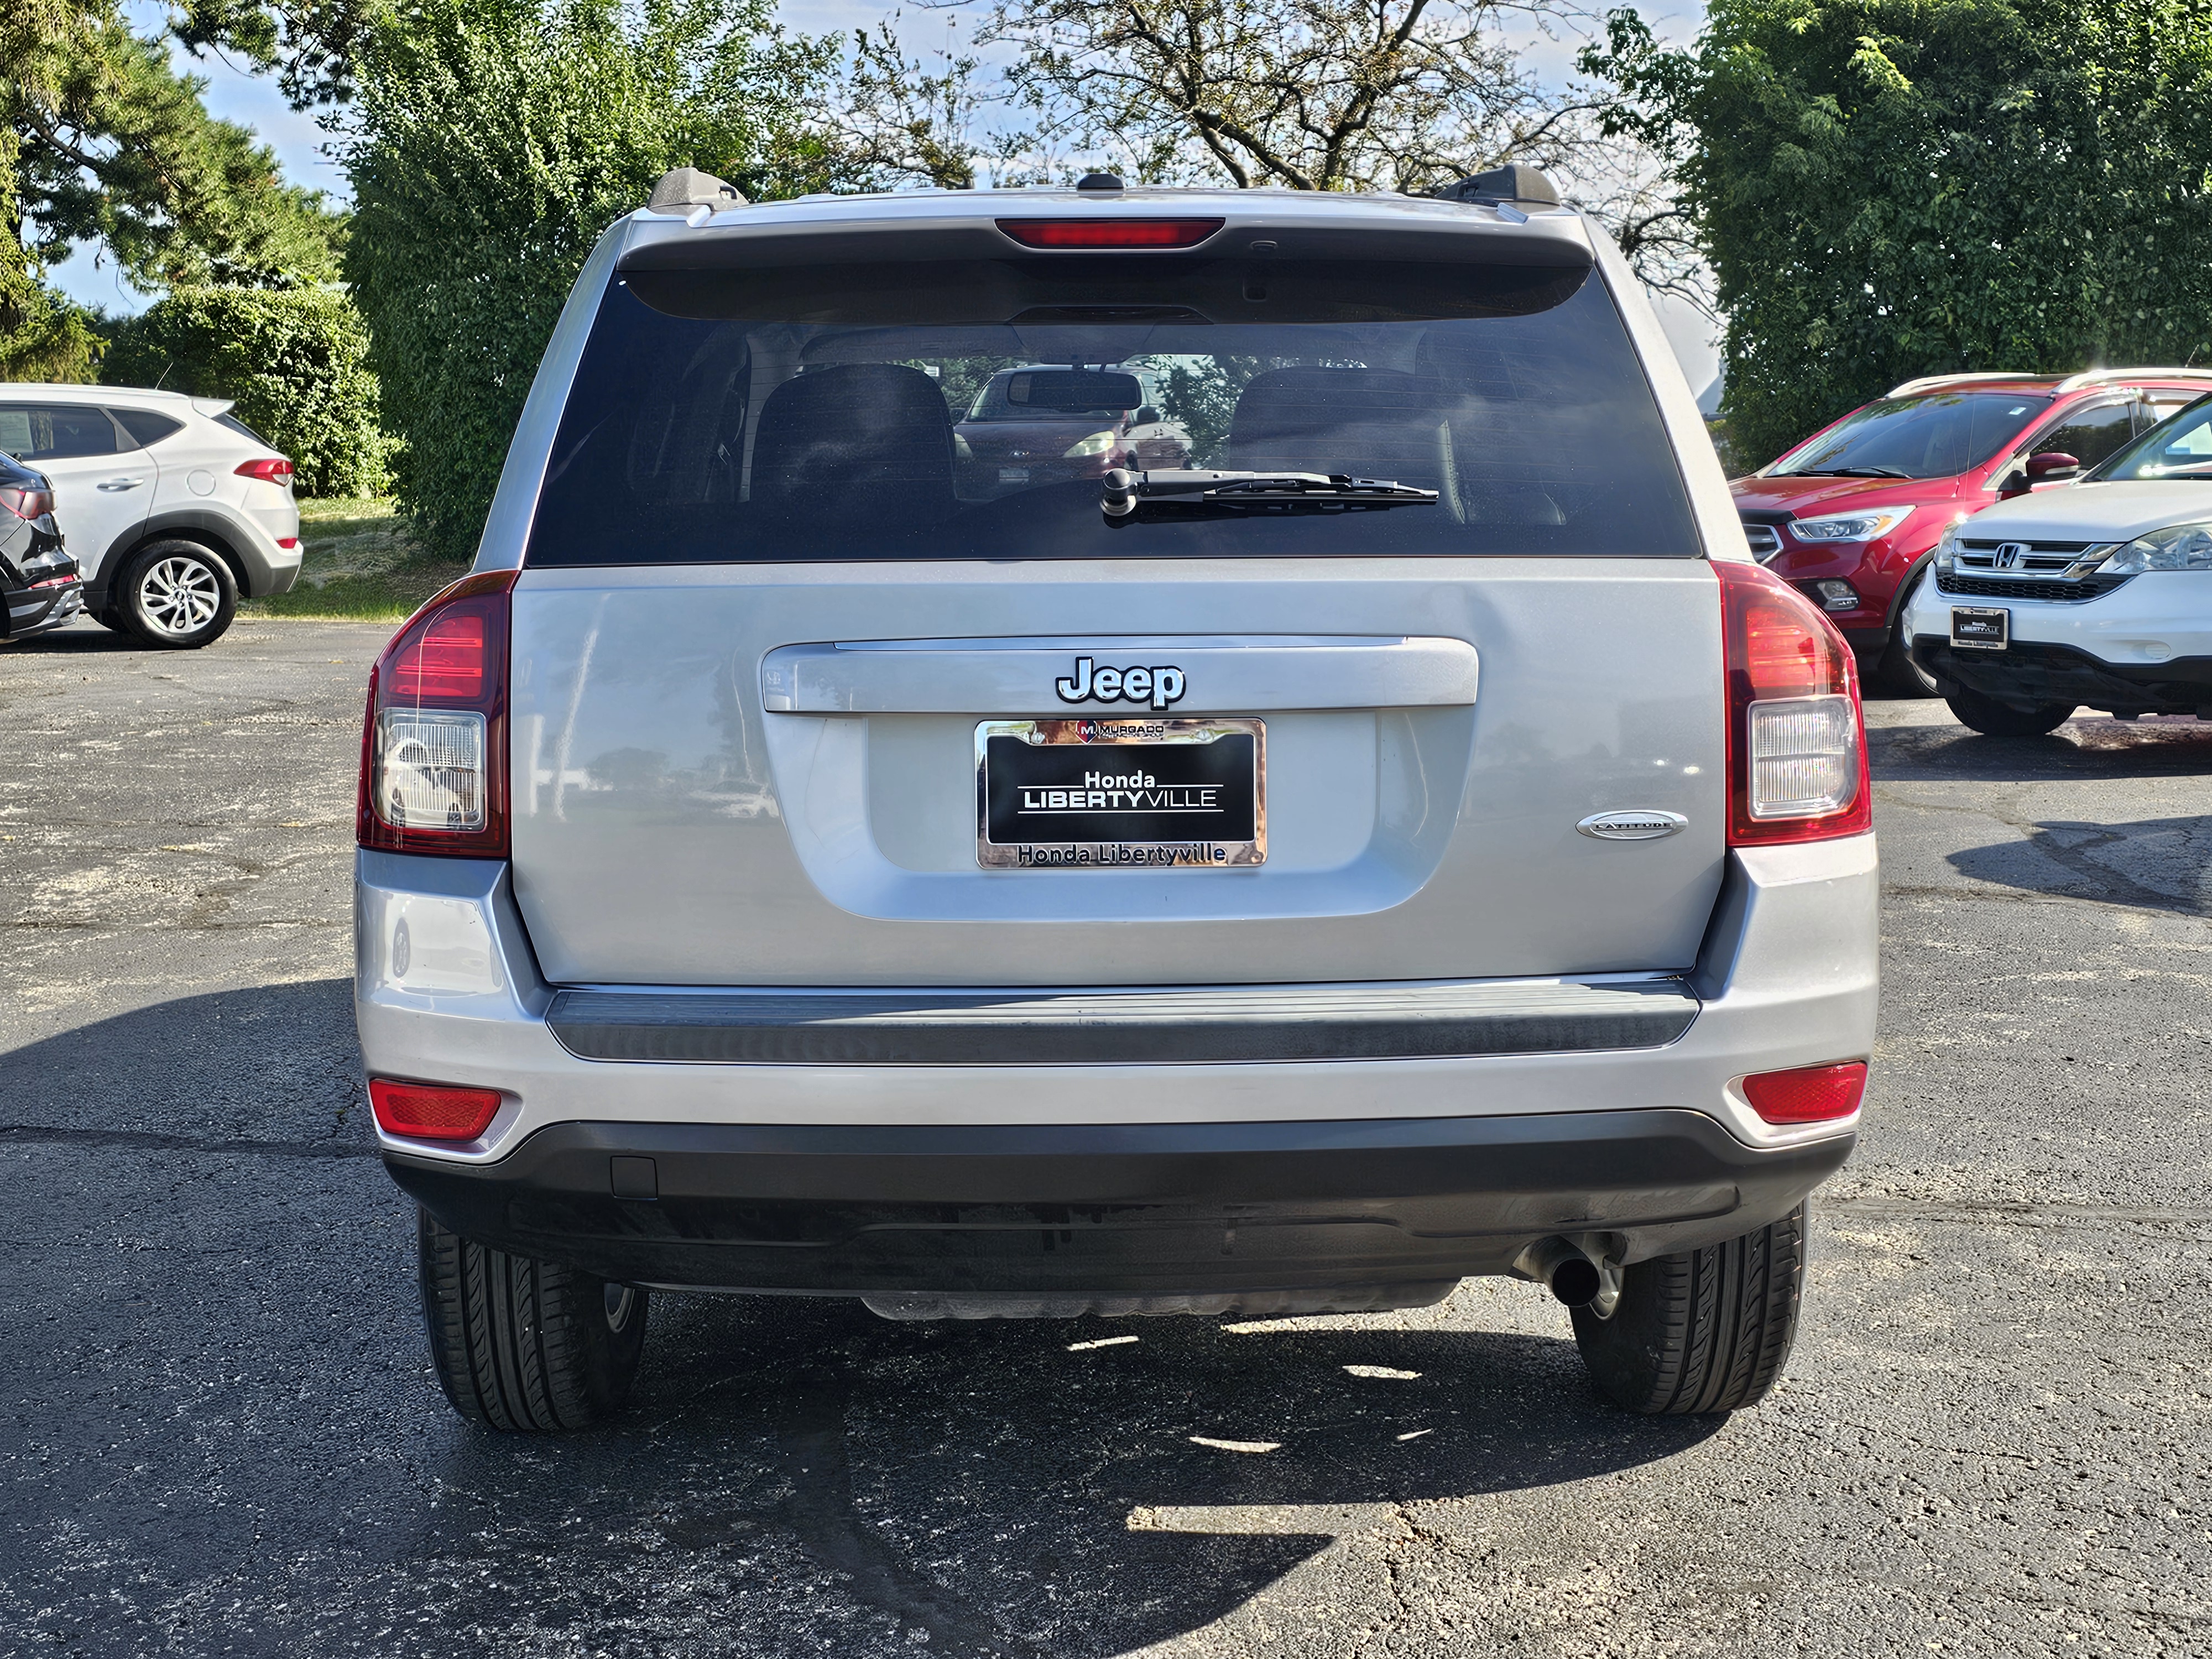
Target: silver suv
(1408,838)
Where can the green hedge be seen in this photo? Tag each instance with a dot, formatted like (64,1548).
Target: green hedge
(293,360)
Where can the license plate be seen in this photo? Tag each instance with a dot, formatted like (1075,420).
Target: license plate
(1091,794)
(1014,475)
(1974,627)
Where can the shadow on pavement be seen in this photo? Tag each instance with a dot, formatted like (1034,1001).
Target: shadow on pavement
(243,1362)
(1012,1493)
(2091,747)
(76,639)
(2158,864)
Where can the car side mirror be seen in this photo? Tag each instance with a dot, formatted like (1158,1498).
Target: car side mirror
(2050,465)
(1148,415)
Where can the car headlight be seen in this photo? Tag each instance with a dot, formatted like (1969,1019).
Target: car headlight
(1850,526)
(1947,549)
(2177,547)
(1098,443)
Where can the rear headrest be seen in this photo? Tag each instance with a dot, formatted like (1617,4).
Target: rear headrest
(1370,422)
(857,440)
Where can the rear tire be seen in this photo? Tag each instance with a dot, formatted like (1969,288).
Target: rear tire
(524,1346)
(1993,719)
(176,595)
(1705,1331)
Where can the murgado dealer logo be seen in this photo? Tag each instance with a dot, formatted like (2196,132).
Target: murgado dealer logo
(1161,687)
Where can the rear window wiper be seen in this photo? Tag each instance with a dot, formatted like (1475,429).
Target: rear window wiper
(1144,497)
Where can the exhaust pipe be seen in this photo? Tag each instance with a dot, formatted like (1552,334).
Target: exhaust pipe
(1562,1267)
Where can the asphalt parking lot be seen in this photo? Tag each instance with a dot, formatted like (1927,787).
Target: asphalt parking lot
(221,1434)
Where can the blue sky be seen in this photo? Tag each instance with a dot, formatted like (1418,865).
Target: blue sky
(254,101)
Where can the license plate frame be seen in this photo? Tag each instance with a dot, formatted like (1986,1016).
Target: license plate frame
(1173,770)
(1976,636)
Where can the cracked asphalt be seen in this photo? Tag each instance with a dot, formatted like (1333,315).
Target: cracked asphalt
(221,1434)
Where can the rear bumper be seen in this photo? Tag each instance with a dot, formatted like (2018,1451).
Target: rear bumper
(1381,1211)
(447,990)
(1123,1143)
(35,610)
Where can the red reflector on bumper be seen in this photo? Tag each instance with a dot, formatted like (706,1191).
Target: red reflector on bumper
(1810,1094)
(432,1111)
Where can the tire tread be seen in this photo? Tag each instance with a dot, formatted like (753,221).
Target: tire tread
(518,1344)
(1707,1331)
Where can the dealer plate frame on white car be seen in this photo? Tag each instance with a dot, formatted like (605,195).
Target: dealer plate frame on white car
(1121,795)
(1980,627)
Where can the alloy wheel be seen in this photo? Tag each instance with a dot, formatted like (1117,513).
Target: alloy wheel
(179,595)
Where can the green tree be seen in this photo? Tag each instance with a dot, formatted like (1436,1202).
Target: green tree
(101,142)
(1332,94)
(295,362)
(1310,95)
(109,144)
(489,143)
(1889,188)
(310,44)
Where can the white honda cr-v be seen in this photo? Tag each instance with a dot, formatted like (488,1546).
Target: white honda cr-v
(2098,595)
(173,508)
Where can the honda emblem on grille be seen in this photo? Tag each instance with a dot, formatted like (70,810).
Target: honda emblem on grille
(2009,554)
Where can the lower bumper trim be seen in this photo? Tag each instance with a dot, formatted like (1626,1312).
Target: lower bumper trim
(1111,1210)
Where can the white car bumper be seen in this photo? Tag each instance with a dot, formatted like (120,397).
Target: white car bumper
(2160,617)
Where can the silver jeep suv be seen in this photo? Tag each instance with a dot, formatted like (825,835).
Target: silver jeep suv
(1406,838)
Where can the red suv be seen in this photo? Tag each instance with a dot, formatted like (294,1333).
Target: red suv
(1852,514)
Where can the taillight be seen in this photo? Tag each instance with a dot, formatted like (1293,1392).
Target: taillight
(434,745)
(432,1111)
(275,469)
(27,504)
(1796,738)
(1110,233)
(1810,1094)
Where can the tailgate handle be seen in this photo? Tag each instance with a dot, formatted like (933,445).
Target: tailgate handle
(1217,674)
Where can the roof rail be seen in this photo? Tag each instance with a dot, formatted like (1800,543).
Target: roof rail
(1929,382)
(2099,376)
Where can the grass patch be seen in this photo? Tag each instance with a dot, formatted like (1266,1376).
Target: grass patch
(357,564)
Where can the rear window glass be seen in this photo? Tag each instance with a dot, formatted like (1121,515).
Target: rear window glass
(970,410)
(147,428)
(1935,436)
(241,428)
